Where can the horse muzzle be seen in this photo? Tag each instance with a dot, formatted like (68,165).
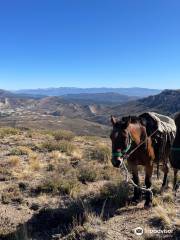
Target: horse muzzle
(117,161)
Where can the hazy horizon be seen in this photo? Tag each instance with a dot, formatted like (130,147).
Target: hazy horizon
(74,87)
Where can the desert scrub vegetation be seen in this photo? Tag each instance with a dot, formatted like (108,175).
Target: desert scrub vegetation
(102,153)
(11,194)
(8,131)
(58,185)
(34,163)
(161,216)
(163,213)
(87,173)
(62,146)
(5,173)
(116,193)
(21,150)
(63,135)
(14,161)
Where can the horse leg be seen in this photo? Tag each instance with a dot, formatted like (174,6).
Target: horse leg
(148,183)
(175,179)
(165,179)
(137,192)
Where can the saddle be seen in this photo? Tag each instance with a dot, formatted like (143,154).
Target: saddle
(166,131)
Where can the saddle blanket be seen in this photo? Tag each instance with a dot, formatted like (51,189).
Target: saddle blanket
(165,124)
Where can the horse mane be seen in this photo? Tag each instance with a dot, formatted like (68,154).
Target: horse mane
(134,119)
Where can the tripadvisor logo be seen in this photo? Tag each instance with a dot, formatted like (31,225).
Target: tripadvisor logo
(138,231)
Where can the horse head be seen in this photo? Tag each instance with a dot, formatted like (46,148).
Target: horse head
(126,131)
(121,140)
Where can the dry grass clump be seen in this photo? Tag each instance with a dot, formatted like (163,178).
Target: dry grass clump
(11,194)
(117,193)
(34,161)
(34,164)
(8,131)
(21,150)
(5,173)
(62,146)
(85,232)
(76,155)
(87,173)
(14,161)
(101,153)
(107,172)
(56,155)
(58,185)
(161,216)
(168,197)
(63,135)
(90,138)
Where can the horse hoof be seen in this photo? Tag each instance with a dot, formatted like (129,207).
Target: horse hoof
(148,206)
(135,201)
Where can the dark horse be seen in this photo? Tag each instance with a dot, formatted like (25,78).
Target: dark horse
(127,134)
(175,152)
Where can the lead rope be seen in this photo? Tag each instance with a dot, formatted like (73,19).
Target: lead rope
(130,180)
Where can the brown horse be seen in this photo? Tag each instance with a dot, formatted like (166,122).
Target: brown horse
(130,133)
(175,151)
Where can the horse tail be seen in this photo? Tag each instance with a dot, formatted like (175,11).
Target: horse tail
(158,168)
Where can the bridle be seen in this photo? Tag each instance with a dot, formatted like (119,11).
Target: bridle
(124,154)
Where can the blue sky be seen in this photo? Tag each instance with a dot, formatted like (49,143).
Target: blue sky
(89,43)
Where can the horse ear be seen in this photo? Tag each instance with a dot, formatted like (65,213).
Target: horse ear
(113,120)
(126,121)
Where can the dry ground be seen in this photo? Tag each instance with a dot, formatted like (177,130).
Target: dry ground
(55,185)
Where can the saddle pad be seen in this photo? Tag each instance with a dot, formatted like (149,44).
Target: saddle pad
(165,124)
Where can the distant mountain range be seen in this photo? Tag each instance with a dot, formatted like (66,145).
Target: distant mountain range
(135,91)
(72,110)
(98,98)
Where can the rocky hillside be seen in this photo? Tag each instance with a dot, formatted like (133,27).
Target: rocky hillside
(167,102)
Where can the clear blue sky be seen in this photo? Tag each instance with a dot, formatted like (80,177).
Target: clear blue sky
(89,43)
